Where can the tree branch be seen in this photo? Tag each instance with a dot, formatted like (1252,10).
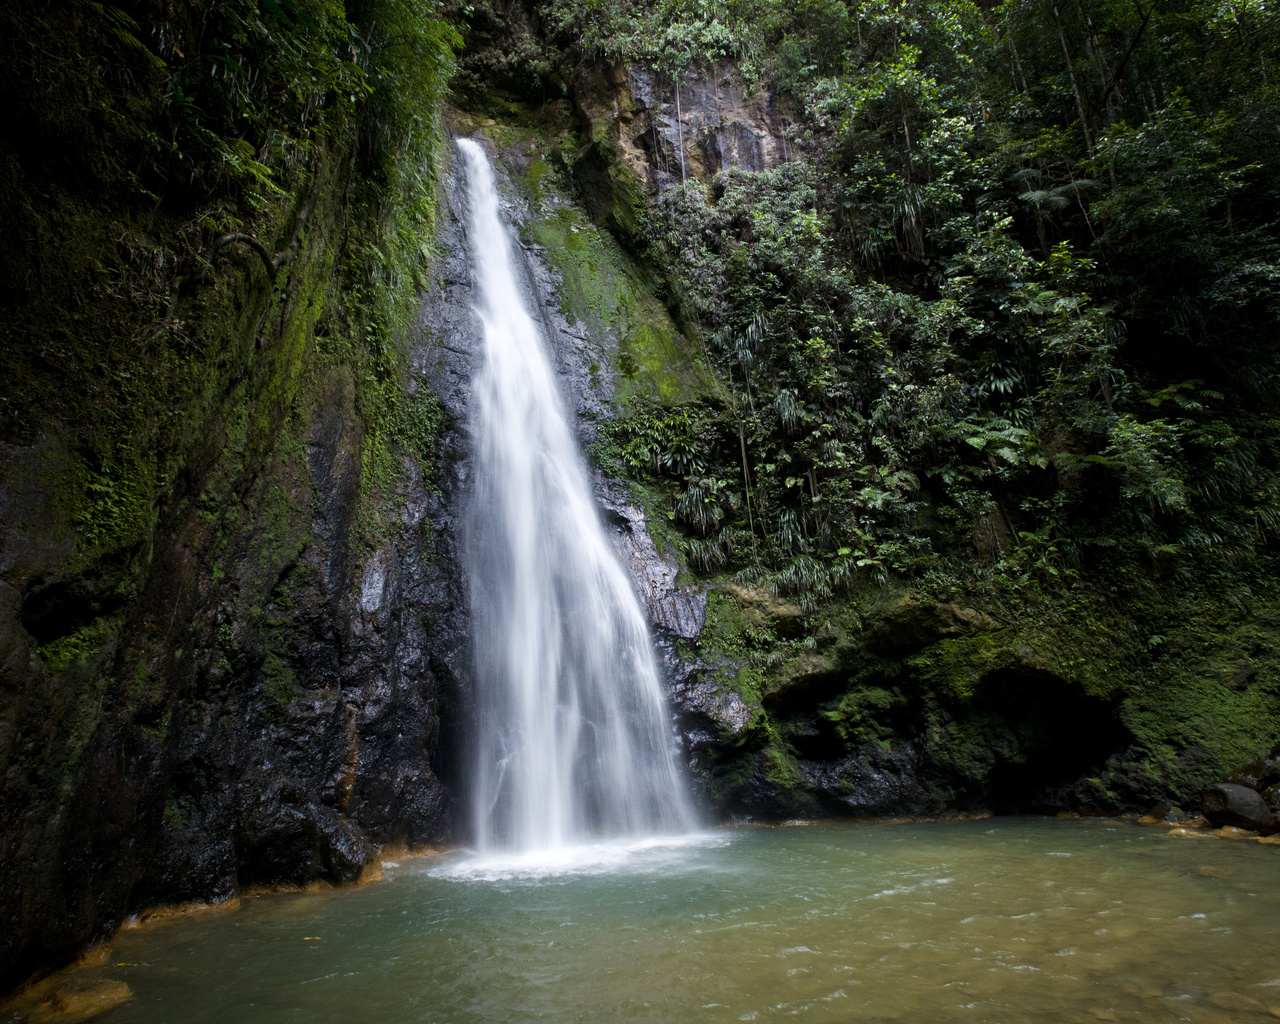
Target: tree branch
(1115,75)
(254,244)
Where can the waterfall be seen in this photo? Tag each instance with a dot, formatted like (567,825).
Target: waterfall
(571,726)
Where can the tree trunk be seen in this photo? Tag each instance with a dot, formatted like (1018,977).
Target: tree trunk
(680,130)
(1075,85)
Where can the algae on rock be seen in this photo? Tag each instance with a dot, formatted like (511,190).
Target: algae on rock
(200,456)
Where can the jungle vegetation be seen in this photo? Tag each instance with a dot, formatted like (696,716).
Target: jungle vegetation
(162,162)
(1001,327)
(1007,316)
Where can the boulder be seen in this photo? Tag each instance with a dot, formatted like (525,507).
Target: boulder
(1256,774)
(1225,803)
(1165,812)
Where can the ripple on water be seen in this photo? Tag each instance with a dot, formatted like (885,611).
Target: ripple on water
(828,923)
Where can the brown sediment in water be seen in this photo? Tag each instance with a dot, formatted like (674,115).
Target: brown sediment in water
(69,995)
(1195,827)
(402,851)
(165,911)
(950,816)
(1203,831)
(37,991)
(1122,909)
(70,1000)
(37,999)
(391,854)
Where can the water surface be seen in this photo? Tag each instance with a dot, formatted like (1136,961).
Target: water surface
(998,920)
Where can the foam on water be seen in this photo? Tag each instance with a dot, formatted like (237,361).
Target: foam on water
(663,854)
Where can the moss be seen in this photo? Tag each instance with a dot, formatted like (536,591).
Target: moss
(957,666)
(144,689)
(727,625)
(731,772)
(778,762)
(180,811)
(594,287)
(1210,700)
(401,424)
(119,499)
(654,361)
(992,705)
(654,501)
(747,681)
(81,645)
(658,364)
(616,198)
(538,170)
(863,715)
(158,730)
(279,683)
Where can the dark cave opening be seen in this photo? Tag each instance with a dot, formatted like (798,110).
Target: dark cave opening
(1044,735)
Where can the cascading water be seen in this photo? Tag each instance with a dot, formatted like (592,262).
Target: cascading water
(571,723)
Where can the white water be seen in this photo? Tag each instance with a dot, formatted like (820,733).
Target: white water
(653,855)
(571,737)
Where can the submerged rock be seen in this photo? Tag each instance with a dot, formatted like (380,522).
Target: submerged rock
(1232,832)
(1225,803)
(1166,812)
(1236,1001)
(82,998)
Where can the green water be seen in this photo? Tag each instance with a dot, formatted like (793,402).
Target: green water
(998,920)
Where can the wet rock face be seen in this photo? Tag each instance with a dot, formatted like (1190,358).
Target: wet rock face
(1258,774)
(1224,803)
(82,998)
(893,706)
(309,732)
(665,132)
(876,782)
(259,696)
(704,124)
(675,611)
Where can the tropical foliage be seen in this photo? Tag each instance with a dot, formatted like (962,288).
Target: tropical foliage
(1016,290)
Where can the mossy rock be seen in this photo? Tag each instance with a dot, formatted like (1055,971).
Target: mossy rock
(909,622)
(654,362)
